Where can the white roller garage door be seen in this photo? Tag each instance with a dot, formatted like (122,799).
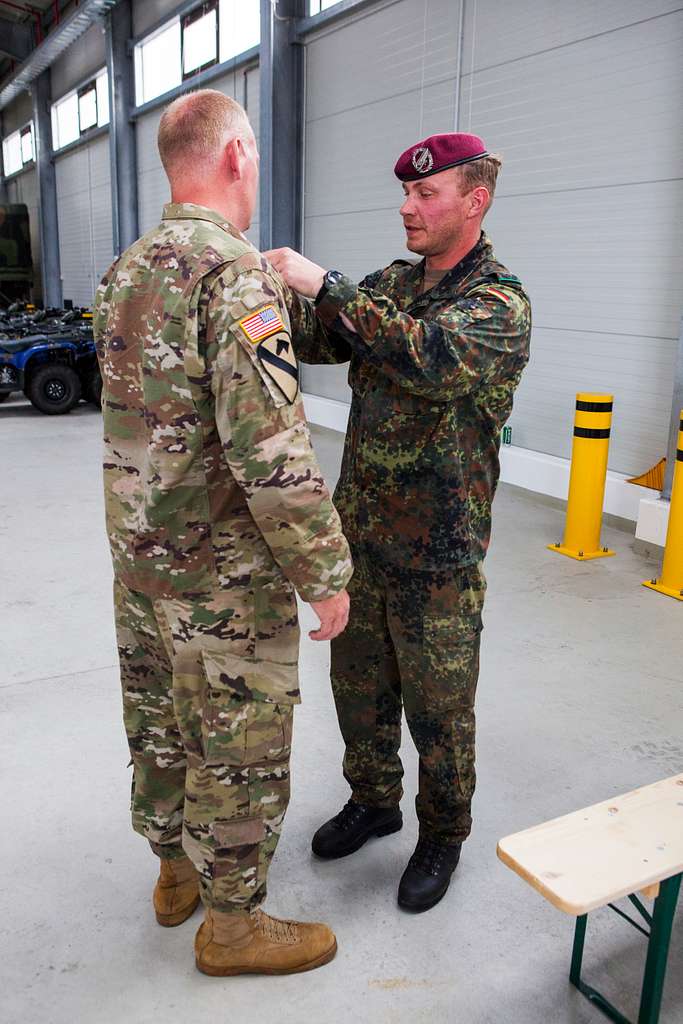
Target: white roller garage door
(85,218)
(375,83)
(583,101)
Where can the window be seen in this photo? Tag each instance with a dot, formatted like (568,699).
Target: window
(316,6)
(27,147)
(102,86)
(18,149)
(214,31)
(87,107)
(199,38)
(157,63)
(80,111)
(240,27)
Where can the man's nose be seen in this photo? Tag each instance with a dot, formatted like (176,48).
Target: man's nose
(407,207)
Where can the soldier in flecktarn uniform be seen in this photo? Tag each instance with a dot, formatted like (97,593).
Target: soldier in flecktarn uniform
(217,513)
(436,349)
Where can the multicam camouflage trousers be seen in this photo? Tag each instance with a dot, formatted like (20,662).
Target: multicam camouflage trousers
(210,737)
(412,640)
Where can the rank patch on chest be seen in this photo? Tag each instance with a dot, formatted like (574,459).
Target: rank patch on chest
(262,324)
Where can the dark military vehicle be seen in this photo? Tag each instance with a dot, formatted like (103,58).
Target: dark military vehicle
(49,354)
(16,265)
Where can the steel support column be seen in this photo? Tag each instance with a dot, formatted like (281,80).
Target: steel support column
(676,406)
(281,127)
(47,192)
(4,198)
(122,147)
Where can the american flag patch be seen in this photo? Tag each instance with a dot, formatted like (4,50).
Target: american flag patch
(261,325)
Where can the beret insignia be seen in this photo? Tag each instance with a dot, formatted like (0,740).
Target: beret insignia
(423,161)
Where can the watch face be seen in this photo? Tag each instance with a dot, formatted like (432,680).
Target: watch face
(333,277)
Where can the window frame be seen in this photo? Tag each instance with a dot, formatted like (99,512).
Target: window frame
(196,14)
(23,132)
(89,87)
(16,138)
(90,84)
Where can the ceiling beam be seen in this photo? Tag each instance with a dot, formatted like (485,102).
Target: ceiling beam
(70,28)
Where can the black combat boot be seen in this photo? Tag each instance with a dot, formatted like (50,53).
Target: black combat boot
(428,875)
(352,827)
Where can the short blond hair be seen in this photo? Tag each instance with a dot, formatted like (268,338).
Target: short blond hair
(480,172)
(194,128)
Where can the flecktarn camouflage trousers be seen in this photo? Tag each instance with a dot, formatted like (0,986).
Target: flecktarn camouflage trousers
(209,727)
(413,641)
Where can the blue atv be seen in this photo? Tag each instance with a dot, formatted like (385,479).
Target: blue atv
(50,356)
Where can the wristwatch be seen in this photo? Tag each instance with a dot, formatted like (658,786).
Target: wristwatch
(331,278)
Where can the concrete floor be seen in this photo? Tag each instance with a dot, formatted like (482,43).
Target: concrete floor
(579,700)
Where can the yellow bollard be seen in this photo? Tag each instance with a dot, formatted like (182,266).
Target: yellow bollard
(671,580)
(587,479)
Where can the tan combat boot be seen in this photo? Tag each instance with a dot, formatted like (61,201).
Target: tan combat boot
(176,893)
(255,943)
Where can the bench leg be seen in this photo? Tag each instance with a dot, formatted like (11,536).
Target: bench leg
(588,991)
(577,951)
(655,965)
(658,950)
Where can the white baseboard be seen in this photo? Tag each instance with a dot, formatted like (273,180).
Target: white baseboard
(548,474)
(535,471)
(653,520)
(326,412)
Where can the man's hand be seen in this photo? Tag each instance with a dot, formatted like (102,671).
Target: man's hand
(333,613)
(299,273)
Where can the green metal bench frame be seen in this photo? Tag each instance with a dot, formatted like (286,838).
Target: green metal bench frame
(660,924)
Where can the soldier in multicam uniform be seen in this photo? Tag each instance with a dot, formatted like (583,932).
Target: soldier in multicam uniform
(436,350)
(216,513)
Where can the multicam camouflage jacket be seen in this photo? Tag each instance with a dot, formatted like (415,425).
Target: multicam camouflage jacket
(433,376)
(210,479)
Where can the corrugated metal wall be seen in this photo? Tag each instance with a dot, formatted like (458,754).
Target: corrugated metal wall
(85,218)
(583,101)
(242,85)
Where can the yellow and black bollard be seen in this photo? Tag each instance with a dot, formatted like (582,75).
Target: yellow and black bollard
(671,580)
(587,479)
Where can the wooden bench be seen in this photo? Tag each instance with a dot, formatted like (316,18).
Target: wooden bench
(631,844)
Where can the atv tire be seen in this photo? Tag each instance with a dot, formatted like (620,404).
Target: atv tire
(54,389)
(93,388)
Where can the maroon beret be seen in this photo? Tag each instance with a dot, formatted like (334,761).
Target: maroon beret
(438,153)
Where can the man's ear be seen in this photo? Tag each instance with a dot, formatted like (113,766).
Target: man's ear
(479,198)
(234,158)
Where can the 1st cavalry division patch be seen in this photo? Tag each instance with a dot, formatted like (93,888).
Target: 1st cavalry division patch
(266,330)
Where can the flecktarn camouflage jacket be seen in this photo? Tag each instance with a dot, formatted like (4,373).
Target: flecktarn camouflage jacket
(433,376)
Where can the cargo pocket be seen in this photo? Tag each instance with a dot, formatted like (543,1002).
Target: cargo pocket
(451,655)
(237,859)
(247,714)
